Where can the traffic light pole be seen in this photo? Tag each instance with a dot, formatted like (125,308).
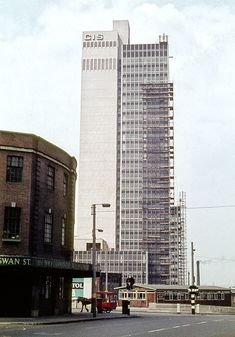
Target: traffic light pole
(193,290)
(130,281)
(193,303)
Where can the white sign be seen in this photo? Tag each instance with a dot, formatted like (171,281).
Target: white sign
(77,285)
(94,37)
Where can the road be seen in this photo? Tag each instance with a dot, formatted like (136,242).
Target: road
(149,325)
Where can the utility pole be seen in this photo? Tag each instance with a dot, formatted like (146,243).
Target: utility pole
(193,289)
(93,213)
(106,270)
(192,264)
(198,273)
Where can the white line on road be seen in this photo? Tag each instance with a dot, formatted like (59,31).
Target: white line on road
(169,328)
(48,334)
(150,331)
(95,327)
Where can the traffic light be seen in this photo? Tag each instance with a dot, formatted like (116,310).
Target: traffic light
(130,281)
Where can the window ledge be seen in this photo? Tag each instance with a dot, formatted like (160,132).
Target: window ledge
(11,240)
(14,182)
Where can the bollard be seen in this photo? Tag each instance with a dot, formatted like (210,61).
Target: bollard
(125,307)
(193,303)
(197,308)
(178,308)
(193,291)
(128,308)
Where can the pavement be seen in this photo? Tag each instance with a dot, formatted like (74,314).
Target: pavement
(75,316)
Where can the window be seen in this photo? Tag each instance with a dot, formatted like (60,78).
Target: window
(48,283)
(141,296)
(90,245)
(11,223)
(61,287)
(63,232)
(65,185)
(48,228)
(14,169)
(50,177)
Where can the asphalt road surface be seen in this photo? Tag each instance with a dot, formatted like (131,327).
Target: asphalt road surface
(145,325)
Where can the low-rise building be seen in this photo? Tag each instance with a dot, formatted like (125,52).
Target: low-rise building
(142,295)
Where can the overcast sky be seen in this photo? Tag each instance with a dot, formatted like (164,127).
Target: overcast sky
(40,58)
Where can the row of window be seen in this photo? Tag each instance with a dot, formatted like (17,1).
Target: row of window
(14,173)
(134,257)
(160,103)
(132,295)
(148,46)
(150,149)
(110,64)
(160,90)
(136,66)
(152,53)
(99,64)
(123,265)
(127,246)
(132,47)
(177,296)
(100,44)
(144,60)
(144,75)
(12,225)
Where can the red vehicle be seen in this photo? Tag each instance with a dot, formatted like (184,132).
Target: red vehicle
(106,301)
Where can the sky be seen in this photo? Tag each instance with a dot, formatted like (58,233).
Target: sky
(40,76)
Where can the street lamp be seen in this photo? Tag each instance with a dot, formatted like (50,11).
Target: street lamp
(192,263)
(93,213)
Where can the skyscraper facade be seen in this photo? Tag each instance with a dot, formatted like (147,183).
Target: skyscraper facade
(127,150)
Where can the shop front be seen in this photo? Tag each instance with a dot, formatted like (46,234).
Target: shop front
(32,286)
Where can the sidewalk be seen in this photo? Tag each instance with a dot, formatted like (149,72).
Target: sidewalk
(76,316)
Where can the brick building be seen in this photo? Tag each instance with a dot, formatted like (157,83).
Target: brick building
(37,183)
(145,295)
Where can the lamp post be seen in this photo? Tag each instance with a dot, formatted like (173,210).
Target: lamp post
(106,271)
(93,299)
(192,263)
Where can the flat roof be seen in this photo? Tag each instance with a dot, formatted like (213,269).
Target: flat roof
(174,287)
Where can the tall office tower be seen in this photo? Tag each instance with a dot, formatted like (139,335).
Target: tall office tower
(127,147)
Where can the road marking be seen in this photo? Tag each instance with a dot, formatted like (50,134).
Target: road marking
(175,327)
(95,327)
(150,331)
(164,329)
(48,334)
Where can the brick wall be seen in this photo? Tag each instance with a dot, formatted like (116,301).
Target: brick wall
(33,197)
